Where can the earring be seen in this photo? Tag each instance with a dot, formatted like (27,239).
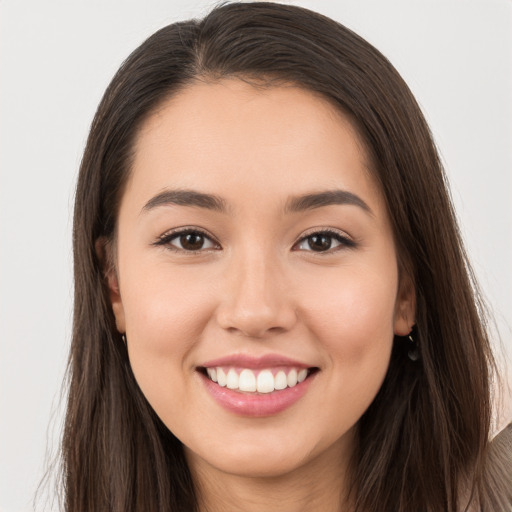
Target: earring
(123,337)
(413,353)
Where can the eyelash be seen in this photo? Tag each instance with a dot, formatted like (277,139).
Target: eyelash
(167,238)
(344,241)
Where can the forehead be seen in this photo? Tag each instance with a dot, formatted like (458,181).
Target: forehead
(231,133)
(214,106)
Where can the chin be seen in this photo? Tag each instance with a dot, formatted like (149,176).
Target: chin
(253,464)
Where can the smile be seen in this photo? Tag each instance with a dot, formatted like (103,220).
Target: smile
(265,380)
(257,387)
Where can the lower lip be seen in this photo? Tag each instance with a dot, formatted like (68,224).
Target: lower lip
(257,405)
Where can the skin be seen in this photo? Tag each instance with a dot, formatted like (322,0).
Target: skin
(258,287)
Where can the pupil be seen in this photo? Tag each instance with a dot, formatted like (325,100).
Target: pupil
(319,242)
(192,241)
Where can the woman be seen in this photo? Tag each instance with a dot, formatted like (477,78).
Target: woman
(273,309)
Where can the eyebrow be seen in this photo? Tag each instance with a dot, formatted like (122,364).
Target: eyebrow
(326,198)
(193,198)
(187,198)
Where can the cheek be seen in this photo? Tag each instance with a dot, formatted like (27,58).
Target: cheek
(353,325)
(356,309)
(163,306)
(165,317)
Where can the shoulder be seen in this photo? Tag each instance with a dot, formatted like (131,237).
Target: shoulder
(498,471)
(503,440)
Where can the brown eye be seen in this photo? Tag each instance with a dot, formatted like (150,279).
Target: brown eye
(325,241)
(187,241)
(192,241)
(319,242)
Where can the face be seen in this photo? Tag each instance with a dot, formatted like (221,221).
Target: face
(254,249)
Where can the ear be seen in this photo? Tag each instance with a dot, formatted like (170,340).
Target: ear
(105,254)
(405,307)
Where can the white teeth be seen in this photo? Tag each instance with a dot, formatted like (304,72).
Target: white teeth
(264,382)
(232,379)
(247,381)
(221,377)
(280,381)
(292,378)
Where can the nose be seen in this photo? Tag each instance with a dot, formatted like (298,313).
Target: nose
(255,301)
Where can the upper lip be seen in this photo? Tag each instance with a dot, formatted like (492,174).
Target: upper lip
(255,363)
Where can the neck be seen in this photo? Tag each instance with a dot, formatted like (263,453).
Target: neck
(320,484)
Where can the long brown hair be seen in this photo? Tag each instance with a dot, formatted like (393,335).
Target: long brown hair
(422,443)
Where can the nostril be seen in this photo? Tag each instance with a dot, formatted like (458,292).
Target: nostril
(256,316)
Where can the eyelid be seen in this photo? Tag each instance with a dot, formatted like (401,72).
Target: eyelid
(168,236)
(343,238)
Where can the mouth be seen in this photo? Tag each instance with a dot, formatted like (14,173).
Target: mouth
(261,386)
(257,381)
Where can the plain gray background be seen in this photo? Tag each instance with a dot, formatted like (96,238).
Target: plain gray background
(57,57)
